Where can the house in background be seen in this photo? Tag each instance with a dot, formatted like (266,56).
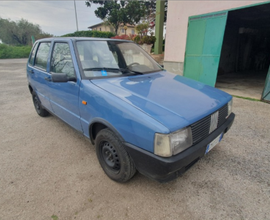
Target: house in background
(121,30)
(210,41)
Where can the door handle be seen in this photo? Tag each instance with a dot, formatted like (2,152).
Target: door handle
(48,79)
(31,71)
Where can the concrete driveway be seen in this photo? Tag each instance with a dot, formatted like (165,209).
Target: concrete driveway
(49,171)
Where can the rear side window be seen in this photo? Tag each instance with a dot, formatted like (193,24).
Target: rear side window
(42,55)
(31,60)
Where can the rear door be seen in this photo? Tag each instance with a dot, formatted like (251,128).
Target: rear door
(38,74)
(64,96)
(203,48)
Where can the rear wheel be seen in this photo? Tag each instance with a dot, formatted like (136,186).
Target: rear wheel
(38,106)
(113,157)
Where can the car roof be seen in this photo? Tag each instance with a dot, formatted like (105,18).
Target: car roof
(80,38)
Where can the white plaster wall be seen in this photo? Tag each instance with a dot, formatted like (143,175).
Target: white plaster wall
(177,21)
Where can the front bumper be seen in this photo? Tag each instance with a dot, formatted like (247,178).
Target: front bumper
(165,169)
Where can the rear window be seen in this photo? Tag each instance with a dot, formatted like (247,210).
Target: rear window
(31,60)
(42,55)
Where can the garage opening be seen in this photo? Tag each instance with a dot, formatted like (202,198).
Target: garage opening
(245,53)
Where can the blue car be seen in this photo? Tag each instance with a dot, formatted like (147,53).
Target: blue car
(139,116)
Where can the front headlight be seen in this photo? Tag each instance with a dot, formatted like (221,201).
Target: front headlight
(167,145)
(230,107)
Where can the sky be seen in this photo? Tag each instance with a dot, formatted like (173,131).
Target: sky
(53,17)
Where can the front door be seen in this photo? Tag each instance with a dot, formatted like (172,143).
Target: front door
(64,96)
(204,42)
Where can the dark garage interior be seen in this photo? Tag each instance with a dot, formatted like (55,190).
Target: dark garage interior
(245,54)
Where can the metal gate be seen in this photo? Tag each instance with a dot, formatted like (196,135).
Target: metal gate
(203,48)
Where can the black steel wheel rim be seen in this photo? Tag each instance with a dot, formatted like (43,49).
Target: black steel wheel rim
(110,156)
(37,104)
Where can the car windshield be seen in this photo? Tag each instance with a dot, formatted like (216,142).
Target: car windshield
(113,58)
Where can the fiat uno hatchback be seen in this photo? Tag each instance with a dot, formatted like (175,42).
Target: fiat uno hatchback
(138,115)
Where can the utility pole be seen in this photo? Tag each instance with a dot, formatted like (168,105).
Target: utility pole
(76,15)
(160,5)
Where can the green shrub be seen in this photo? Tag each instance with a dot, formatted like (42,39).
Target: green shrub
(145,39)
(101,34)
(7,51)
(125,37)
(137,39)
(142,28)
(148,39)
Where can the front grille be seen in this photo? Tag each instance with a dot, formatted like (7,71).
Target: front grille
(200,129)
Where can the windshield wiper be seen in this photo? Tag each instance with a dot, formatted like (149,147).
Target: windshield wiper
(102,68)
(125,71)
(128,71)
(136,72)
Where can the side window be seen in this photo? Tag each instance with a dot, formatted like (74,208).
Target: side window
(31,60)
(61,60)
(42,55)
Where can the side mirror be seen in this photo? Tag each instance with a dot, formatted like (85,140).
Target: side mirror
(59,77)
(162,66)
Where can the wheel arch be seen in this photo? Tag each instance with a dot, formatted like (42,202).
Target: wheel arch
(30,88)
(97,125)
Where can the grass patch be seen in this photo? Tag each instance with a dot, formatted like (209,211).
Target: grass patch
(247,98)
(54,217)
(9,52)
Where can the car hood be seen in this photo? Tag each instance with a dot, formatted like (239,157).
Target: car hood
(173,100)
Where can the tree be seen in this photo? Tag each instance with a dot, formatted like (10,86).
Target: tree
(151,10)
(119,12)
(142,28)
(20,32)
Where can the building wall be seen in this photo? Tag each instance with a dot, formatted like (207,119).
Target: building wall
(177,22)
(110,29)
(129,31)
(103,28)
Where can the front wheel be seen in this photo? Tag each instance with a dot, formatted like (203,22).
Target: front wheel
(38,106)
(113,157)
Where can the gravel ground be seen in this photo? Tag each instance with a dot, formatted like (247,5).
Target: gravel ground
(49,171)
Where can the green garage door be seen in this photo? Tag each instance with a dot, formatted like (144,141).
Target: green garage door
(266,91)
(204,42)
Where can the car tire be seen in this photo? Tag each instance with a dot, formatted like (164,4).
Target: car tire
(113,158)
(38,106)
